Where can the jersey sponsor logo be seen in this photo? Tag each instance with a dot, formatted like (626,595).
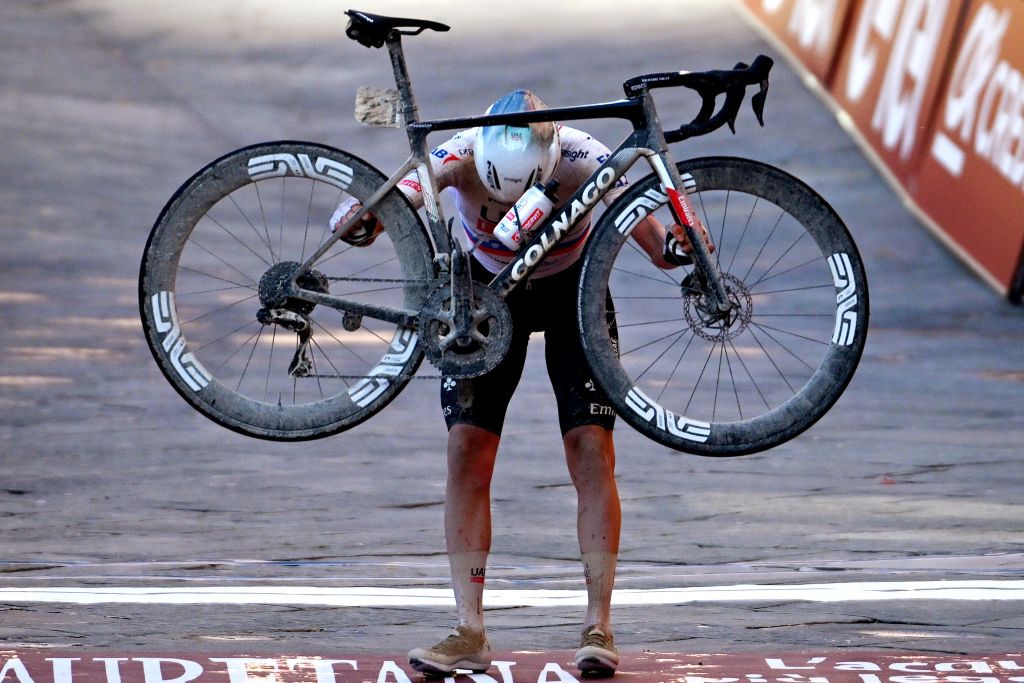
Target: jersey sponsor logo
(575,154)
(439,152)
(560,227)
(846,299)
(411,184)
(277,165)
(666,420)
(600,409)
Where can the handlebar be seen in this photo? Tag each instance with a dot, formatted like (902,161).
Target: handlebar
(709,85)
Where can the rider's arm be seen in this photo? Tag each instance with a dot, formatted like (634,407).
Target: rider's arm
(657,242)
(445,162)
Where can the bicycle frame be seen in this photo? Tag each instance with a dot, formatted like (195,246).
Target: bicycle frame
(647,141)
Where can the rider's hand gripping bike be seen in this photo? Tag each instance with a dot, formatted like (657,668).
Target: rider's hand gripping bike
(269,324)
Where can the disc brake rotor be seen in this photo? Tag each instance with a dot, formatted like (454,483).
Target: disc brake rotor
(707,322)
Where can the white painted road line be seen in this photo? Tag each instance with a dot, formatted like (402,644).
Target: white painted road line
(441,597)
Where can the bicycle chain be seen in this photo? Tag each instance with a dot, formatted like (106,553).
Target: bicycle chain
(397,377)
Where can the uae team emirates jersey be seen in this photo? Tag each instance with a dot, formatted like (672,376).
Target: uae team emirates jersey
(453,167)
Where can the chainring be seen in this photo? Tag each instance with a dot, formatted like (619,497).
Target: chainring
(490,331)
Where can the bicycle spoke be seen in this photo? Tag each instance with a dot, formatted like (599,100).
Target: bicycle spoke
(254,229)
(237,239)
(764,244)
(221,338)
(270,361)
(750,376)
(342,344)
(660,355)
(655,341)
(813,261)
(771,360)
(652,322)
(675,368)
(309,216)
(327,358)
(653,280)
(746,227)
(700,378)
(219,290)
(266,228)
(764,275)
(732,380)
(223,308)
(201,247)
(245,368)
(763,327)
(240,285)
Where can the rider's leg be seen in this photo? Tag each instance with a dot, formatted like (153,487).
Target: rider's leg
(467,516)
(590,455)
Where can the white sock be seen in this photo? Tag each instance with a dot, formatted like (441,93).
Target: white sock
(468,573)
(599,570)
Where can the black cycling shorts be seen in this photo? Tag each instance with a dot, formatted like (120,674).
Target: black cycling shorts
(545,305)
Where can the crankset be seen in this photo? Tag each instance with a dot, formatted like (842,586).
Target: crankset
(474,347)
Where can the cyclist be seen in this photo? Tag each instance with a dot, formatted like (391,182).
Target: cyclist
(489,169)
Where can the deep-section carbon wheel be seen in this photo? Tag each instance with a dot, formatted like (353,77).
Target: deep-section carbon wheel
(712,383)
(215,311)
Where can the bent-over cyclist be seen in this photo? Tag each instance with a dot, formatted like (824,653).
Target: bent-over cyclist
(488,169)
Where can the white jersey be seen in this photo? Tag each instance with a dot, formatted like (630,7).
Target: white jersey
(453,167)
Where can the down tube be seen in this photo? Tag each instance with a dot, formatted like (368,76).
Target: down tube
(578,206)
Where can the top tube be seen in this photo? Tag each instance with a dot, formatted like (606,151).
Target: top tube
(631,110)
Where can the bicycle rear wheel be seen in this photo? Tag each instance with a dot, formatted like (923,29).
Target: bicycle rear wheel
(723,388)
(309,370)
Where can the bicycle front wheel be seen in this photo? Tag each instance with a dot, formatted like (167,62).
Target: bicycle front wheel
(694,381)
(298,371)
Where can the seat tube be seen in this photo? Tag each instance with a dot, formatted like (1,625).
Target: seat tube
(417,142)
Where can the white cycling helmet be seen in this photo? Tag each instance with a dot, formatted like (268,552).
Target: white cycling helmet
(510,159)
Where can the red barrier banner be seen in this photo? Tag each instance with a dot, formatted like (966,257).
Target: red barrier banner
(811,29)
(849,666)
(971,177)
(890,73)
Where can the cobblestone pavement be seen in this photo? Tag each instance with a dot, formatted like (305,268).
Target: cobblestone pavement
(109,479)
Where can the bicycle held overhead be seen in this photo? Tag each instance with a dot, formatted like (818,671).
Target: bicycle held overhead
(270,324)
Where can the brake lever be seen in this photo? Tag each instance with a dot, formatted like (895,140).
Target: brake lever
(758,100)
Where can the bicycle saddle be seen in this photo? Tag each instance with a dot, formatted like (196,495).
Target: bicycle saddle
(372,30)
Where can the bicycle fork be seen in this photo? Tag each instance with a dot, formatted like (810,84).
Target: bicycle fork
(707,274)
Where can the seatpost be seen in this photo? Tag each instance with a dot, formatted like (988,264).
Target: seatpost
(409,112)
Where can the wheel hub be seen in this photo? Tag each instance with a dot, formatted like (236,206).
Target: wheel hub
(276,281)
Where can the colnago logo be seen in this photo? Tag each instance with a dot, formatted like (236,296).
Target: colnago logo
(666,420)
(984,108)
(277,165)
(165,317)
(913,29)
(561,226)
(377,381)
(846,299)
